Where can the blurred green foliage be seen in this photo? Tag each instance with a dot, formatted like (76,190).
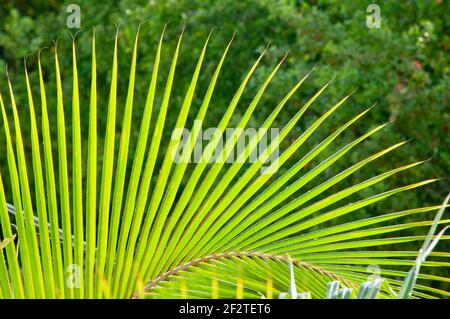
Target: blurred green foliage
(402,66)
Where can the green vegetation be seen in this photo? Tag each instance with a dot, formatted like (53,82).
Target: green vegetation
(92,158)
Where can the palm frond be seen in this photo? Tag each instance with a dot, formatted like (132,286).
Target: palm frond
(159,227)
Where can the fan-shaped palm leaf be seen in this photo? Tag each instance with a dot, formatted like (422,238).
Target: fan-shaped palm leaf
(203,229)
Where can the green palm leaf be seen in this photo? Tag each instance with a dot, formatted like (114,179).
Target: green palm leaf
(158,227)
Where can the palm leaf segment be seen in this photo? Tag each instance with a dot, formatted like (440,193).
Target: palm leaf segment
(215,236)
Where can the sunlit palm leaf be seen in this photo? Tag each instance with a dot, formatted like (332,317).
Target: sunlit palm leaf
(179,229)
